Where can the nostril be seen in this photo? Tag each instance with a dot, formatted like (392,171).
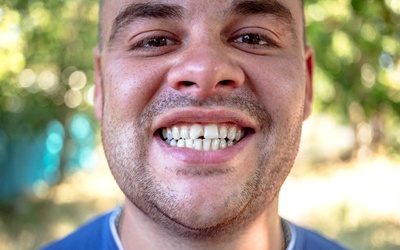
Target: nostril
(187,83)
(225,82)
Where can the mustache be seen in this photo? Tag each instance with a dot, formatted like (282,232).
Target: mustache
(242,101)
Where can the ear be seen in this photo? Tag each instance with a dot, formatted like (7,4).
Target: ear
(309,57)
(98,92)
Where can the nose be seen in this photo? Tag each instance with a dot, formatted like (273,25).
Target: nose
(205,70)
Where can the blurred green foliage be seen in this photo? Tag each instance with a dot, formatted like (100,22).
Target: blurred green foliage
(357,76)
(46,69)
(45,62)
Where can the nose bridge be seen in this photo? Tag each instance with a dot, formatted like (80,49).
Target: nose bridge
(204,68)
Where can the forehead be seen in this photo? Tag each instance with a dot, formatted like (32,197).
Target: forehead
(210,10)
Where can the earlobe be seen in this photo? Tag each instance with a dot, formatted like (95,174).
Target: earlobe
(98,93)
(309,57)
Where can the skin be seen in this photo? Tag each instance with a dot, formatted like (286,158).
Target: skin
(206,66)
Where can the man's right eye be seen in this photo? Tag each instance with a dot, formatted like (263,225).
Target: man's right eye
(154,46)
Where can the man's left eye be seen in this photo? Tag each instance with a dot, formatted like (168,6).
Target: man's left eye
(255,39)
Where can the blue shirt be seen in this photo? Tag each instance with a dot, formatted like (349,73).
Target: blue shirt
(101,234)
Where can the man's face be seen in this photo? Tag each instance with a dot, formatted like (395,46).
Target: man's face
(202,104)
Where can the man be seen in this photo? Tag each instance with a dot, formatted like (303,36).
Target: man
(202,104)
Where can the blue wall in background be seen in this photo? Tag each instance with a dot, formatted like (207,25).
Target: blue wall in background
(25,162)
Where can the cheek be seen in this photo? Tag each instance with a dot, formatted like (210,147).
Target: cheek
(279,85)
(130,86)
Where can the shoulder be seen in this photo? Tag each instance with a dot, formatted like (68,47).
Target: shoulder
(95,234)
(311,240)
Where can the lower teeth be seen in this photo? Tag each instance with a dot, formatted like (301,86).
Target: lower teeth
(201,144)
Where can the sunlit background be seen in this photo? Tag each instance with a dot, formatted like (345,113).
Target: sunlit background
(53,174)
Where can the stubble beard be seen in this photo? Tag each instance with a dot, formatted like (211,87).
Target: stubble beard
(126,146)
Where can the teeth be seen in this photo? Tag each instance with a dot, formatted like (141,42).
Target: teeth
(208,137)
(223,132)
(223,144)
(189,143)
(206,144)
(238,135)
(232,133)
(169,134)
(196,131)
(215,144)
(181,143)
(211,131)
(198,144)
(175,133)
(185,132)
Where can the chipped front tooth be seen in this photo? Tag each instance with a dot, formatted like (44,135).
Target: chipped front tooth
(196,131)
(185,132)
(238,135)
(215,136)
(175,133)
(223,144)
(206,144)
(232,133)
(223,132)
(211,131)
(215,144)
(198,144)
(181,143)
(169,134)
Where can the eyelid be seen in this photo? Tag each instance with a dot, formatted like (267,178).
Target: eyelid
(142,43)
(269,42)
(139,41)
(273,41)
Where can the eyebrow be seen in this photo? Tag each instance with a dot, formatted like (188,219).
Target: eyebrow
(265,7)
(256,7)
(137,11)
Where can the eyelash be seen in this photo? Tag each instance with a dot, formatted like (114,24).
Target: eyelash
(265,41)
(162,44)
(144,44)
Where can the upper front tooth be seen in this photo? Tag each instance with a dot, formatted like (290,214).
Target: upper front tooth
(211,131)
(196,131)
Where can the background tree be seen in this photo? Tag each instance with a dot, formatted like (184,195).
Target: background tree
(357,46)
(46,76)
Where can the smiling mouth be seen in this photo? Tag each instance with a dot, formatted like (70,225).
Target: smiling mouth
(203,137)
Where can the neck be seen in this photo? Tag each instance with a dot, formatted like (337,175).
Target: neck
(137,231)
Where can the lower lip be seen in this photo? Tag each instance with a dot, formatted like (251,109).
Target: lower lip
(209,158)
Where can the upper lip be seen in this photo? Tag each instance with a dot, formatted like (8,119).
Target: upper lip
(216,115)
